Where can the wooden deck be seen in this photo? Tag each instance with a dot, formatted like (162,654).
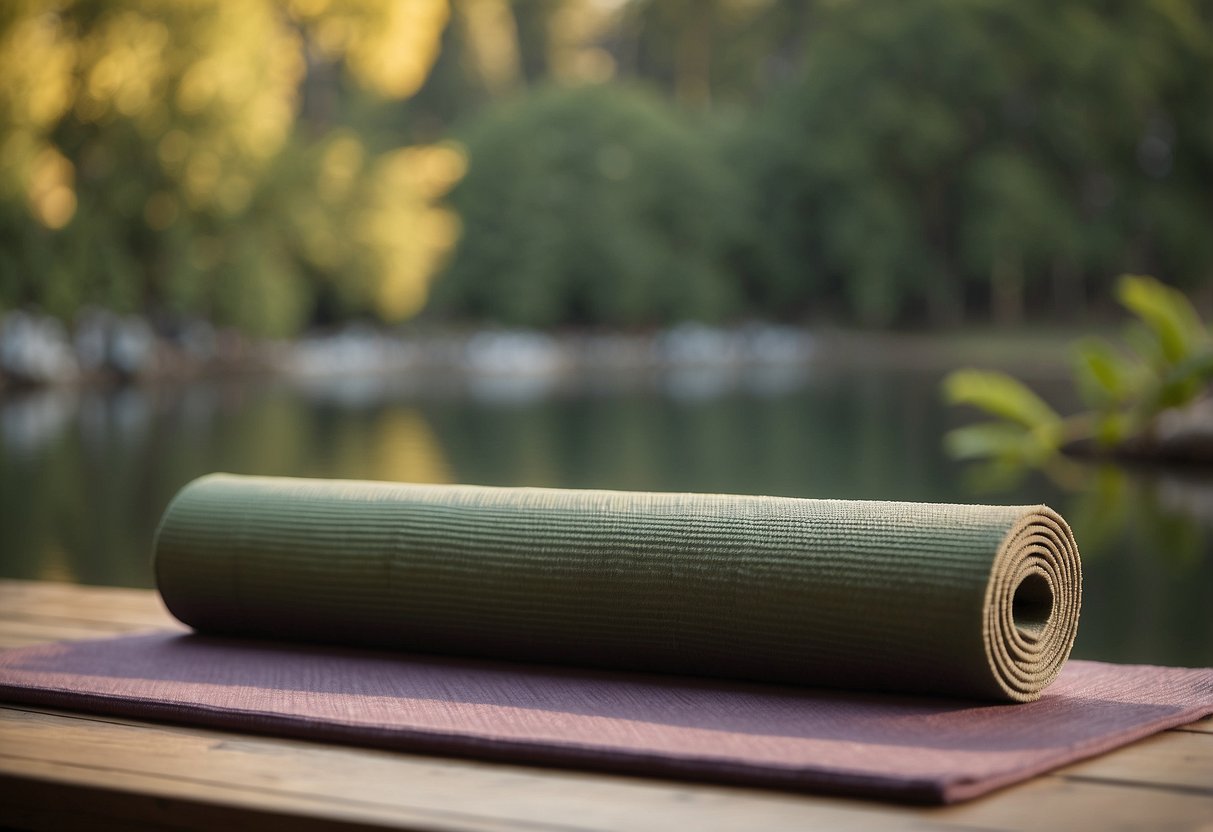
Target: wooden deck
(68,770)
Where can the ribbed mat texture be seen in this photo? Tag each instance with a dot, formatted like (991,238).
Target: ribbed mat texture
(974,601)
(893,650)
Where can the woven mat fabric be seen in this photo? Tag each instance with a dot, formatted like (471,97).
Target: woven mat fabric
(895,650)
(976,601)
(909,748)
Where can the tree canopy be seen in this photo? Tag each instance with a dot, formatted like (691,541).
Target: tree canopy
(935,155)
(590,205)
(170,158)
(278,164)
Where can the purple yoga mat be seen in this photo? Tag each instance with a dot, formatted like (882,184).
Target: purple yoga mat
(893,747)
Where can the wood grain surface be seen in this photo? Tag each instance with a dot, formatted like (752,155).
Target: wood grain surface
(67,770)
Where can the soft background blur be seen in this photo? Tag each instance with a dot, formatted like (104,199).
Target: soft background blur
(726,245)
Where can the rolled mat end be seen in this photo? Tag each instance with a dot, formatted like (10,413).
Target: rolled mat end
(1032,604)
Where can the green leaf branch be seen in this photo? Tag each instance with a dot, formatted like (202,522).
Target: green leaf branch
(1166,364)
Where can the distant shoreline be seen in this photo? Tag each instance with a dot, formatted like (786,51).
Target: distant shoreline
(37,353)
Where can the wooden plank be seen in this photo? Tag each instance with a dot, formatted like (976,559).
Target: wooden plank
(85,616)
(8,642)
(1057,803)
(48,805)
(291,778)
(136,607)
(368,785)
(32,613)
(48,592)
(34,631)
(1174,759)
(1204,726)
(116,773)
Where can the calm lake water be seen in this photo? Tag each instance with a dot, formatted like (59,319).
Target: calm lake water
(85,475)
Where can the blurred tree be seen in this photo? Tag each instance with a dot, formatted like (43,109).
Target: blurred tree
(491,37)
(900,161)
(493,49)
(1011,147)
(706,51)
(590,205)
(151,160)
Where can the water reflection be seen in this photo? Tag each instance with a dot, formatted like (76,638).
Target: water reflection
(85,475)
(28,423)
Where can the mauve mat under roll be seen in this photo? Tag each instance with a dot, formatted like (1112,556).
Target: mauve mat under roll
(889,746)
(784,619)
(960,600)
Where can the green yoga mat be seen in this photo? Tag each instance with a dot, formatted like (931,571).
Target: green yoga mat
(959,600)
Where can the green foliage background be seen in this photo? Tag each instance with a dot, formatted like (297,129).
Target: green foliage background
(944,159)
(878,163)
(591,205)
(1165,363)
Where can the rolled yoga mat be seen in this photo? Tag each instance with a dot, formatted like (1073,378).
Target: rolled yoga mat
(971,601)
(961,600)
